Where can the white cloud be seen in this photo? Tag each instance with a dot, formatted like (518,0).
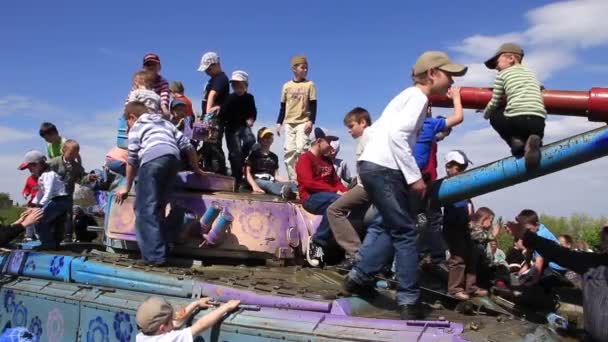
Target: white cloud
(8,134)
(24,105)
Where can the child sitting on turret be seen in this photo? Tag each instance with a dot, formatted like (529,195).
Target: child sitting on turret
(522,122)
(340,165)
(143,82)
(158,320)
(262,168)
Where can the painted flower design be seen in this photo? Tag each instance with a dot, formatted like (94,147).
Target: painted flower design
(55,326)
(30,265)
(123,328)
(20,315)
(98,331)
(56,265)
(9,300)
(36,327)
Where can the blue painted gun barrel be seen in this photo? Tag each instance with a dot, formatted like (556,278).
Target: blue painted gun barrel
(501,174)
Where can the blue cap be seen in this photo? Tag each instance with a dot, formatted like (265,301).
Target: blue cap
(177,103)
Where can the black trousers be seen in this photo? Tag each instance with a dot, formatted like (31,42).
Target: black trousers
(520,127)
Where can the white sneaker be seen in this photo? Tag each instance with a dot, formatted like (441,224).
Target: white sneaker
(314,253)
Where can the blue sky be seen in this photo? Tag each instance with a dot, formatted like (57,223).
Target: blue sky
(72,62)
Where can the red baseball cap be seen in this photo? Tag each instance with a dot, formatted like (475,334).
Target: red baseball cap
(151,57)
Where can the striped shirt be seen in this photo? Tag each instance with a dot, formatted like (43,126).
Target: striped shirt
(522,90)
(151,137)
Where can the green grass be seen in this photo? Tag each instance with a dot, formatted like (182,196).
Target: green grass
(8,216)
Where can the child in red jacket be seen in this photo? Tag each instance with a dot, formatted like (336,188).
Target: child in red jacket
(319,186)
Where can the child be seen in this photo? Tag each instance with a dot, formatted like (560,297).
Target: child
(389,172)
(29,193)
(429,218)
(69,169)
(358,122)
(238,115)
(158,320)
(522,122)
(154,152)
(319,187)
(178,92)
(340,164)
(462,265)
(262,168)
(483,231)
(55,142)
(143,82)
(529,219)
(298,112)
(215,95)
(52,197)
(180,118)
(159,85)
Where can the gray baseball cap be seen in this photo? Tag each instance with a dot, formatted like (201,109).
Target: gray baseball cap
(32,157)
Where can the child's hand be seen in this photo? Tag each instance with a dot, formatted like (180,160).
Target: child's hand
(419,187)
(258,190)
(120,195)
(214,110)
(203,303)
(232,304)
(454,94)
(200,172)
(250,122)
(279,127)
(307,127)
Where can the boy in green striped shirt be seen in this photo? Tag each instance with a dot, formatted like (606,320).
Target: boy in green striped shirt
(521,121)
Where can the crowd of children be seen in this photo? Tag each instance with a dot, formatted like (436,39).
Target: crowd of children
(397,162)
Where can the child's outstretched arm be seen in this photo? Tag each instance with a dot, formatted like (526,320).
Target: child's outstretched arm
(183,315)
(213,317)
(458,116)
(254,186)
(498,92)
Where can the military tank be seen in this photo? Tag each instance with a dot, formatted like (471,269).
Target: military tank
(251,247)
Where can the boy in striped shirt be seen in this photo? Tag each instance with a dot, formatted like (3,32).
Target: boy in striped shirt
(153,156)
(521,123)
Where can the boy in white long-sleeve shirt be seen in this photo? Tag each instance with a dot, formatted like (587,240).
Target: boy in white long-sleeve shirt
(52,197)
(388,171)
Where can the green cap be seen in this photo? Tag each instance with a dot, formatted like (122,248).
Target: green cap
(504,48)
(439,60)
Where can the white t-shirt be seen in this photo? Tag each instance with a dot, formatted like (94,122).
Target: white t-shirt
(50,186)
(184,335)
(392,137)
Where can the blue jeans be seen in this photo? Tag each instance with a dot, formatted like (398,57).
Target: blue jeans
(50,228)
(155,180)
(239,141)
(117,166)
(431,237)
(397,234)
(317,204)
(274,187)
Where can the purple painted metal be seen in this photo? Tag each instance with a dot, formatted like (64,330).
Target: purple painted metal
(209,182)
(224,294)
(435,324)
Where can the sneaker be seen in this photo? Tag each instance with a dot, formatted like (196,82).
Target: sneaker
(517,147)
(345,265)
(351,287)
(532,153)
(412,311)
(314,254)
(421,222)
(461,296)
(287,193)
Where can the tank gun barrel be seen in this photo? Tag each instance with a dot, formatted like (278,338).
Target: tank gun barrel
(592,104)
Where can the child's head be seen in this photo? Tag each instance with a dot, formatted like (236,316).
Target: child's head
(493,245)
(507,55)
(152,63)
(299,66)
(456,162)
(357,120)
(155,316)
(566,241)
(71,150)
(239,82)
(144,79)
(34,161)
(529,218)
(49,132)
(177,87)
(265,137)
(321,142)
(178,108)
(335,149)
(133,110)
(434,69)
(483,217)
(210,64)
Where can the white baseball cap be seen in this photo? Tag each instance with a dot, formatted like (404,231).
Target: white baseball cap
(207,60)
(335,145)
(458,156)
(239,76)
